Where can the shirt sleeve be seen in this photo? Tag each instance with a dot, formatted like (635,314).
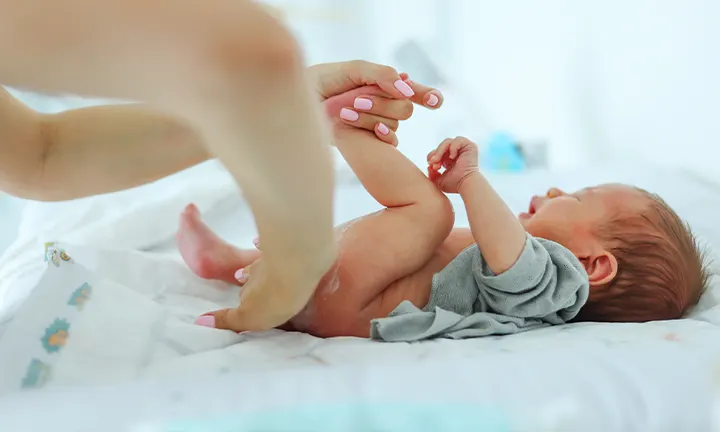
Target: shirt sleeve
(547,282)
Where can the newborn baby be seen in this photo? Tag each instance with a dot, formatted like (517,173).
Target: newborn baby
(604,253)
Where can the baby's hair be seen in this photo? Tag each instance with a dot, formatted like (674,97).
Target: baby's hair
(662,269)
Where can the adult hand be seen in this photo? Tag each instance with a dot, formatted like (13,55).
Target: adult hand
(332,79)
(370,96)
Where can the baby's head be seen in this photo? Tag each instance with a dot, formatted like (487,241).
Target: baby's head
(642,260)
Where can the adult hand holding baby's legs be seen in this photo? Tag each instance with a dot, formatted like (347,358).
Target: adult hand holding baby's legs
(390,96)
(371,108)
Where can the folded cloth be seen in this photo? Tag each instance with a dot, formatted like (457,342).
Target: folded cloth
(546,286)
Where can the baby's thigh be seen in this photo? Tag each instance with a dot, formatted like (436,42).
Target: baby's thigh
(341,298)
(375,252)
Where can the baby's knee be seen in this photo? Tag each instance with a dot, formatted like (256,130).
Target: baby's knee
(440,211)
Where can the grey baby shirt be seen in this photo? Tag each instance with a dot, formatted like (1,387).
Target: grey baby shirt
(546,286)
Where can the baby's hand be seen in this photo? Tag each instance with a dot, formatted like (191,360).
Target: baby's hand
(459,157)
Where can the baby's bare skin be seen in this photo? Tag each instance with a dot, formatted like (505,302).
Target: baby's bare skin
(414,287)
(330,312)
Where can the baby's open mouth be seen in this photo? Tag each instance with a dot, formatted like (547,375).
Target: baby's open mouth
(532,208)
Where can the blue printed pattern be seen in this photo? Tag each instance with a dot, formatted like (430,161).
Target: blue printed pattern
(80,296)
(56,336)
(38,373)
(57,333)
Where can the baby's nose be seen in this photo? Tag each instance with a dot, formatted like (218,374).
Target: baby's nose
(554,193)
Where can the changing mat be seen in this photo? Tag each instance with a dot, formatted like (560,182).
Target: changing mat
(111,303)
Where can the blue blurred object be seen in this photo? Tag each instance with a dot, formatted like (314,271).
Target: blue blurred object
(503,154)
(361,417)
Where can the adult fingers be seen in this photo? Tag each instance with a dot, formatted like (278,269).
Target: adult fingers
(425,96)
(225,319)
(335,103)
(386,134)
(384,107)
(242,276)
(365,121)
(387,78)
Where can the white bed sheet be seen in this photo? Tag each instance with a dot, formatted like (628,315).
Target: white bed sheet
(661,376)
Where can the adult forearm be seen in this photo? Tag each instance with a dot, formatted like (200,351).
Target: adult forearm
(236,75)
(104,149)
(497,232)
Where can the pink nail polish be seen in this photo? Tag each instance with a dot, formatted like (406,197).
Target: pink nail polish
(383,129)
(206,321)
(433,100)
(349,115)
(240,274)
(362,104)
(403,88)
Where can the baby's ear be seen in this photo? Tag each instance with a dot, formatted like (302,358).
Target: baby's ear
(601,269)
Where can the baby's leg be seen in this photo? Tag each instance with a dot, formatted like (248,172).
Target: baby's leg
(380,248)
(207,255)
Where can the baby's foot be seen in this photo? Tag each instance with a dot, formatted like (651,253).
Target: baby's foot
(207,255)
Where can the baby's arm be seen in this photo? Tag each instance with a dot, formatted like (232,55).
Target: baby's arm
(496,230)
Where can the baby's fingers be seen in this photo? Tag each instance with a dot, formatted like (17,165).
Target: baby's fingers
(433,174)
(437,155)
(430,156)
(455,148)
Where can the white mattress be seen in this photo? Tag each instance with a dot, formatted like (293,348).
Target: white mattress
(661,376)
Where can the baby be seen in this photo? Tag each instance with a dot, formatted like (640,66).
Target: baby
(606,253)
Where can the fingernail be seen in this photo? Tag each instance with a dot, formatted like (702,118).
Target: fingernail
(433,100)
(403,88)
(362,104)
(383,129)
(349,115)
(240,275)
(206,321)
(256,242)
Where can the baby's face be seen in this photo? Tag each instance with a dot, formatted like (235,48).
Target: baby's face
(572,219)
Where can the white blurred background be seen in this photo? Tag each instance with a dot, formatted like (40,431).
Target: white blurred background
(591,82)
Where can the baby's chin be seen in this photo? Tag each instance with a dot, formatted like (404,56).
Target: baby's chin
(524,217)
